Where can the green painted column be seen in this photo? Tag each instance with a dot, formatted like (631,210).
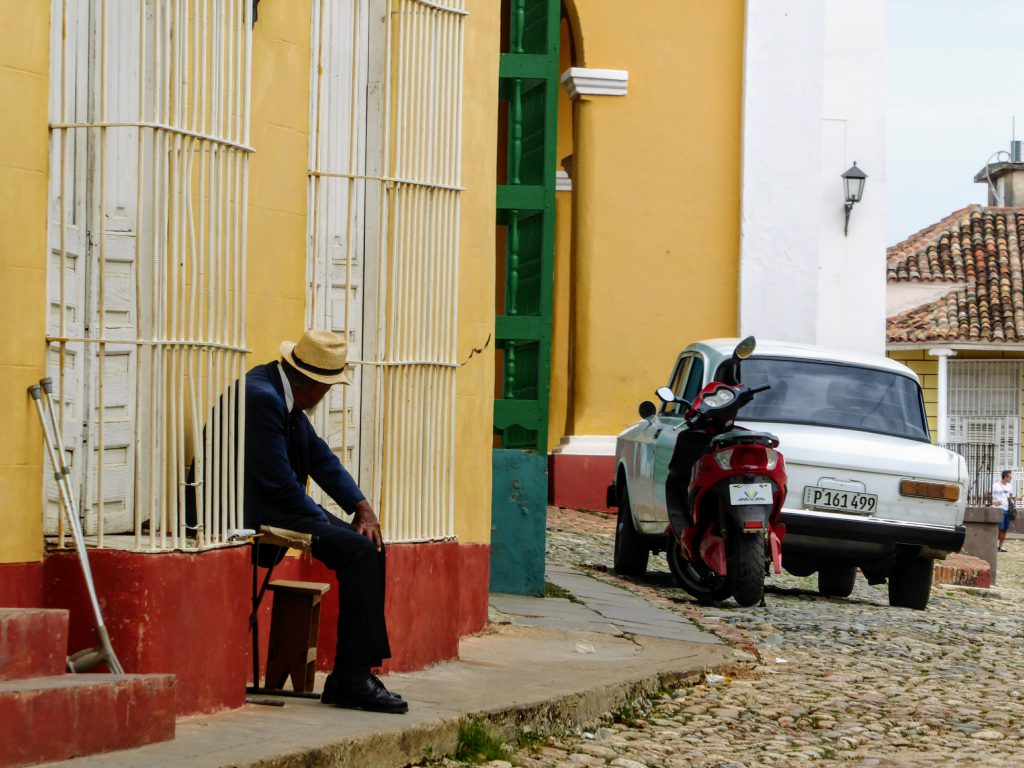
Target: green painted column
(519,505)
(528,74)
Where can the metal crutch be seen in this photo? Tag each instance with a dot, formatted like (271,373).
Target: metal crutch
(87,658)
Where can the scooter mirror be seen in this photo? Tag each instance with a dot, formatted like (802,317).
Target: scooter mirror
(647,409)
(745,348)
(666,395)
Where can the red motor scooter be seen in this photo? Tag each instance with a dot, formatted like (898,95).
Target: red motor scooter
(725,489)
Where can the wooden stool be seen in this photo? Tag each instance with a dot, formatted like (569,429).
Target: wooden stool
(274,540)
(294,629)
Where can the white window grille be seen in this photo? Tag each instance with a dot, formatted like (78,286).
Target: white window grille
(385,170)
(149,115)
(985,406)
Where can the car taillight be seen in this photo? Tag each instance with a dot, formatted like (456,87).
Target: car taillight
(751,457)
(929,490)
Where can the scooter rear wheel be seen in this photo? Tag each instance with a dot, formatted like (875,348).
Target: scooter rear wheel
(696,578)
(746,560)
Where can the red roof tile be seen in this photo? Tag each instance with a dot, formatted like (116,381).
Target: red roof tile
(978,246)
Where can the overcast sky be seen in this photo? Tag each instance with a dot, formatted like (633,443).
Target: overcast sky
(955,80)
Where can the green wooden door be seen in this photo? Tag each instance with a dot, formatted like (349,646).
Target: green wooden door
(526,213)
(526,223)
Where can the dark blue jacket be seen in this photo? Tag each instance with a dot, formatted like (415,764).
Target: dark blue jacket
(281,451)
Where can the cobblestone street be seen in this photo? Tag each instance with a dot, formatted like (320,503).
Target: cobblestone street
(837,681)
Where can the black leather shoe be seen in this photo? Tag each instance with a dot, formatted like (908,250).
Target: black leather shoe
(366,693)
(379,685)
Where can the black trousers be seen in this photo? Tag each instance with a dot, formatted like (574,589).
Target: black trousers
(360,570)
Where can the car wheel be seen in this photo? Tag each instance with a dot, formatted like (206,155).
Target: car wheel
(910,583)
(631,552)
(696,578)
(798,566)
(746,561)
(836,582)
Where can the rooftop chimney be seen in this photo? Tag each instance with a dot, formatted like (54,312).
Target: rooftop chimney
(1005,178)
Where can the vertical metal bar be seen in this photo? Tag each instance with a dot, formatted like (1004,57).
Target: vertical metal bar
(384,229)
(314,180)
(459,53)
(349,223)
(154,354)
(102,267)
(242,270)
(174,445)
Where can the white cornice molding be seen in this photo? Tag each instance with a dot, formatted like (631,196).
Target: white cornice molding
(563,182)
(587,445)
(580,81)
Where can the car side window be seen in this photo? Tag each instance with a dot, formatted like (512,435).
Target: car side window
(676,385)
(694,380)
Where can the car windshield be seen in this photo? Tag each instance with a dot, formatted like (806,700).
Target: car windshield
(834,395)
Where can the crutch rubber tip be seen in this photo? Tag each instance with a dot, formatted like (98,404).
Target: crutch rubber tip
(47,384)
(34,391)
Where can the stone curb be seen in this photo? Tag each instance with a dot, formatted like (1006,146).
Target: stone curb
(439,738)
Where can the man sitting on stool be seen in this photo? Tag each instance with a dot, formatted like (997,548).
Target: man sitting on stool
(282,450)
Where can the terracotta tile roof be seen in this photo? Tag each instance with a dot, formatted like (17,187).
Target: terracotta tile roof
(977,246)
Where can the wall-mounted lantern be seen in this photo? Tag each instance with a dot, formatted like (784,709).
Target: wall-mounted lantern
(853,181)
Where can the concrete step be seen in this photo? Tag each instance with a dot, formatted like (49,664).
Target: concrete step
(54,718)
(33,642)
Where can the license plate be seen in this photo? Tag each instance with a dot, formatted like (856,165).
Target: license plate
(741,494)
(841,501)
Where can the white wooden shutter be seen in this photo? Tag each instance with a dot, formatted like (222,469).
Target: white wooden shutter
(336,208)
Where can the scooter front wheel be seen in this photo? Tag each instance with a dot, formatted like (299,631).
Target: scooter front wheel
(696,578)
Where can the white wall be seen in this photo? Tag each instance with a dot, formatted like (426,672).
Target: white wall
(814,100)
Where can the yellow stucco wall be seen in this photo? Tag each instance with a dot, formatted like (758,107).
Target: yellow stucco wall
(276,241)
(275,290)
(475,380)
(558,403)
(656,196)
(24,87)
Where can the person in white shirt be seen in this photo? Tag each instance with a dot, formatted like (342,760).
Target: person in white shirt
(1002,495)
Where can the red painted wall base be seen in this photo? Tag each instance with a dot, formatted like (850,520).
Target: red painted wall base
(436,593)
(184,614)
(580,482)
(187,614)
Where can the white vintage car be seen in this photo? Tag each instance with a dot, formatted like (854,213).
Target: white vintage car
(867,489)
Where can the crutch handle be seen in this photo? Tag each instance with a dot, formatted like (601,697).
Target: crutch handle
(47,384)
(35,392)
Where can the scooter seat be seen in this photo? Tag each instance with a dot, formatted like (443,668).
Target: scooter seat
(746,437)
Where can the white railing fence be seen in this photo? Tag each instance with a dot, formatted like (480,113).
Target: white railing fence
(148,195)
(417,286)
(384,194)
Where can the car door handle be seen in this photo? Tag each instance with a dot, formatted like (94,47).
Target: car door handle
(657,432)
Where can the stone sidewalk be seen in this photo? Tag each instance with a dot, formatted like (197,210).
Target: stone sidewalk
(544,664)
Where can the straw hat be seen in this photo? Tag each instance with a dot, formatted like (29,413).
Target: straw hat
(320,355)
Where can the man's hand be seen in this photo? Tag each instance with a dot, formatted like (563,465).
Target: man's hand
(366,523)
